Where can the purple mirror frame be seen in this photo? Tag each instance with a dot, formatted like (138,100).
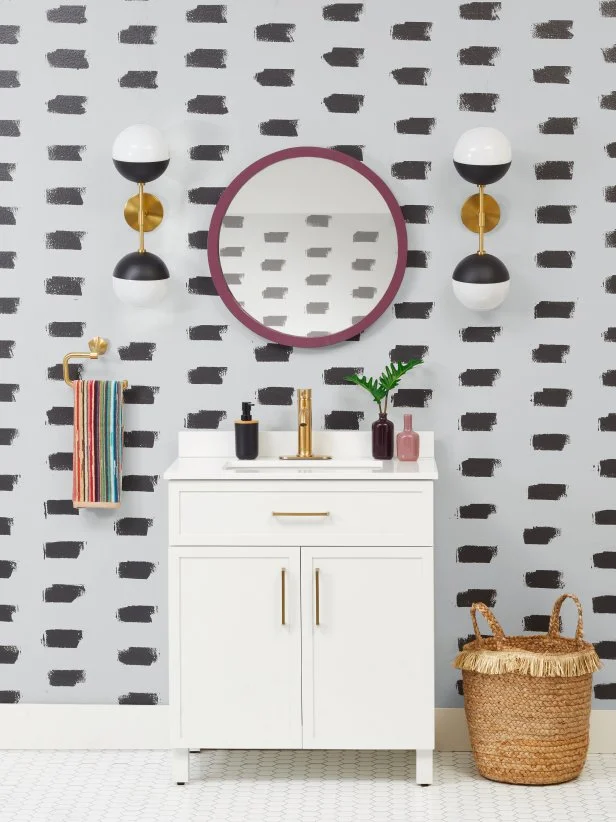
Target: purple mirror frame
(213,247)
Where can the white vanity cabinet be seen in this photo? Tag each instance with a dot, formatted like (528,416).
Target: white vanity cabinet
(300,604)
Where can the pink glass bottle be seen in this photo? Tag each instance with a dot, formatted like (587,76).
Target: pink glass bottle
(407,441)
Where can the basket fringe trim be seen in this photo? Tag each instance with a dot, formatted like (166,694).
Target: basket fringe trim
(528,663)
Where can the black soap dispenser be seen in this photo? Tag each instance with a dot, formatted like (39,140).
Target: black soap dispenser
(246,435)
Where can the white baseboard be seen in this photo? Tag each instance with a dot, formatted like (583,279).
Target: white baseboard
(100,727)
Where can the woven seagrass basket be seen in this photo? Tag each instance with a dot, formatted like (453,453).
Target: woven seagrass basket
(527,700)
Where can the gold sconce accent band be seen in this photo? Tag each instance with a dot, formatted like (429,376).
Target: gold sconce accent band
(98,346)
(300,513)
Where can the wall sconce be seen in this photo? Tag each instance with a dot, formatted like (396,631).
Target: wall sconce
(141,154)
(481,156)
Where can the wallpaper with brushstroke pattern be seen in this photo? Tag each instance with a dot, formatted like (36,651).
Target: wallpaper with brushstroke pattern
(522,400)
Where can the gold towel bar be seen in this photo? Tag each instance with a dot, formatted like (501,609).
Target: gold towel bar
(97,346)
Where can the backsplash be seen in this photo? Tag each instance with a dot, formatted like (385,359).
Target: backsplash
(522,400)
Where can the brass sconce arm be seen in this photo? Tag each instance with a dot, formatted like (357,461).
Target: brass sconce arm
(98,346)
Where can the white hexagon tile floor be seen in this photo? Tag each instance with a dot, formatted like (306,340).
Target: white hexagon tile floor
(285,786)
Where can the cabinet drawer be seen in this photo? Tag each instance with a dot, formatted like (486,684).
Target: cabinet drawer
(203,513)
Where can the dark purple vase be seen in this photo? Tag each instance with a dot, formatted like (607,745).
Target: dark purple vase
(382,438)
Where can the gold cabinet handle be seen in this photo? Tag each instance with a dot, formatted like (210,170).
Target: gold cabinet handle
(317,596)
(300,513)
(283,596)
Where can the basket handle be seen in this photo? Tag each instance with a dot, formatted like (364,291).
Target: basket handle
(553,631)
(494,624)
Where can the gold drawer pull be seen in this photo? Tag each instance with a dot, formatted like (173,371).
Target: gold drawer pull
(317,596)
(283,595)
(300,513)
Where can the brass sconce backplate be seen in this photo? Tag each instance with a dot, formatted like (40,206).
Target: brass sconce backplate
(470,213)
(152,212)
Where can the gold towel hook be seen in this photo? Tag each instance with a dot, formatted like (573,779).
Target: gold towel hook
(98,346)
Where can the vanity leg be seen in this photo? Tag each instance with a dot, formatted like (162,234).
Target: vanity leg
(179,765)
(423,773)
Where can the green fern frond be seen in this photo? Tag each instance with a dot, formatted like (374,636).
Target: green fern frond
(369,383)
(391,376)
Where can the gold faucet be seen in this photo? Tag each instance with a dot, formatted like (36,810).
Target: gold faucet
(304,428)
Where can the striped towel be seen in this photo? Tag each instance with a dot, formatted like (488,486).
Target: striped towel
(97,450)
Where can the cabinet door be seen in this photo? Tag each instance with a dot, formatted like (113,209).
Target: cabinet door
(367,648)
(235,666)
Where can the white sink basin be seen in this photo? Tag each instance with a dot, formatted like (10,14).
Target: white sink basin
(269,463)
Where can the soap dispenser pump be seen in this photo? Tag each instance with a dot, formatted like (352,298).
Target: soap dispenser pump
(246,434)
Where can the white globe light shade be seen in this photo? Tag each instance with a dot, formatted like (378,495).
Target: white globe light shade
(483,146)
(481,296)
(140,293)
(140,144)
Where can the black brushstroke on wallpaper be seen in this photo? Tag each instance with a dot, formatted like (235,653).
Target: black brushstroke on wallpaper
(480,11)
(478,55)
(547,491)
(417,259)
(344,103)
(554,214)
(66,678)
(480,333)
(404,353)
(10,128)
(65,153)
(476,553)
(343,56)
(207,104)
(413,311)
(9,305)
(275,32)
(207,332)
(276,395)
(279,128)
(9,35)
(65,196)
(63,593)
(7,260)
(55,372)
(66,329)
(477,421)
(136,655)
(67,14)
(555,259)
(137,351)
(207,375)
(610,150)
(68,59)
(411,170)
(60,508)
(140,394)
(544,579)
(536,623)
(479,377)
(412,398)
(411,75)
(282,78)
(7,567)
(481,101)
(343,12)
(7,215)
(205,195)
(552,397)
(133,526)
(9,654)
(343,420)
(135,569)
(136,613)
(60,461)
(7,612)
(357,152)
(479,466)
(208,153)
(67,104)
(140,439)
(540,535)
(608,101)
(6,172)
(273,352)
(606,649)
(8,392)
(198,239)
(416,125)
(62,638)
(137,698)
(139,482)
(559,125)
(9,78)
(139,79)
(138,35)
(7,348)
(466,598)
(207,58)
(207,14)
(555,309)
(411,31)
(552,74)
(553,30)
(207,419)
(63,549)
(554,170)
(64,240)
(608,8)
(605,690)
(6,526)
(605,604)
(550,442)
(476,510)
(60,415)
(609,284)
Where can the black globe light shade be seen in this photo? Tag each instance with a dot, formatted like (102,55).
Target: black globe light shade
(141,279)
(140,153)
(482,156)
(481,281)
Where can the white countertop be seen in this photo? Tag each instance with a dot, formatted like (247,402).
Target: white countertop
(210,455)
(200,468)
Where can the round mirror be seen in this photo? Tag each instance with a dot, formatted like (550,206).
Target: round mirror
(307,247)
